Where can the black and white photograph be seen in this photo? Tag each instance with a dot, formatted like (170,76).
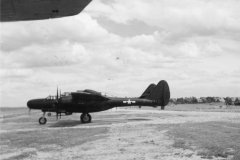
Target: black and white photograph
(119,80)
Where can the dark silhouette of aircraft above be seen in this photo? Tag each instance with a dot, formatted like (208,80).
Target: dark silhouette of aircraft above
(88,101)
(25,10)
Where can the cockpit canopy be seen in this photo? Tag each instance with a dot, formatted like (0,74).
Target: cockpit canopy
(95,92)
(65,94)
(106,94)
(51,97)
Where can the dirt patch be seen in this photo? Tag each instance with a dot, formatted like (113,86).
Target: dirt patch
(16,144)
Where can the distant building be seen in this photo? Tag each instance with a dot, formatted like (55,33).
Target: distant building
(199,100)
(221,99)
(216,99)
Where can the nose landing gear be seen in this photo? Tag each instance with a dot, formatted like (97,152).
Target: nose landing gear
(42,120)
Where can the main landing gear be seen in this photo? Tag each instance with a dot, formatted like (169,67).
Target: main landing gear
(42,120)
(85,118)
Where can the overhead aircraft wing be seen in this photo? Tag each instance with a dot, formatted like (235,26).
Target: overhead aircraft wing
(24,10)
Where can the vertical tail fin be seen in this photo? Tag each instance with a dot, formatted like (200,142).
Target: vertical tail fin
(148,91)
(161,93)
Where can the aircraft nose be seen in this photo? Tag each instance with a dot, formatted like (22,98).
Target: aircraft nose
(36,103)
(29,104)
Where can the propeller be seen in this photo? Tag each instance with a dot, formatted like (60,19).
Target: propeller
(29,111)
(60,97)
(57,92)
(57,105)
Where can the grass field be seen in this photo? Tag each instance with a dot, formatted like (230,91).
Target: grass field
(46,140)
(202,107)
(205,107)
(211,139)
(205,131)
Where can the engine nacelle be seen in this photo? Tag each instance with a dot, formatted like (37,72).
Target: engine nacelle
(66,99)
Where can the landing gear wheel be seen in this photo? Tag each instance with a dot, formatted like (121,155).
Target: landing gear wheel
(42,120)
(86,118)
(162,107)
(49,114)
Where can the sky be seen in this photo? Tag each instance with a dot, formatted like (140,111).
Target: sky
(120,47)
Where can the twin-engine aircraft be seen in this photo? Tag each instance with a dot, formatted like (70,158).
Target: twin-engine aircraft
(25,10)
(89,101)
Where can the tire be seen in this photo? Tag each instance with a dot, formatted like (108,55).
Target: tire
(162,107)
(49,114)
(42,120)
(86,118)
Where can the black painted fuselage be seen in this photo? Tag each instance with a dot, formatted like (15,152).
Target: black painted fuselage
(89,101)
(81,103)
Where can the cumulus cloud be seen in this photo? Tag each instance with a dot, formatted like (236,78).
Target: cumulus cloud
(194,15)
(184,21)
(189,43)
(77,29)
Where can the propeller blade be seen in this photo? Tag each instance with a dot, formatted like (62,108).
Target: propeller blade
(29,111)
(57,92)
(58,96)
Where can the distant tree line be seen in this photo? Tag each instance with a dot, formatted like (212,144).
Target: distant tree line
(194,100)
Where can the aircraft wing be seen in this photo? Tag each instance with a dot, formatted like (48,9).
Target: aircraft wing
(87,97)
(24,10)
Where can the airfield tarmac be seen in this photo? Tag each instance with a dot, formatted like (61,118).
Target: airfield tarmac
(179,132)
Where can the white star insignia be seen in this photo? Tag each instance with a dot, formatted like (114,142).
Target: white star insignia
(129,101)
